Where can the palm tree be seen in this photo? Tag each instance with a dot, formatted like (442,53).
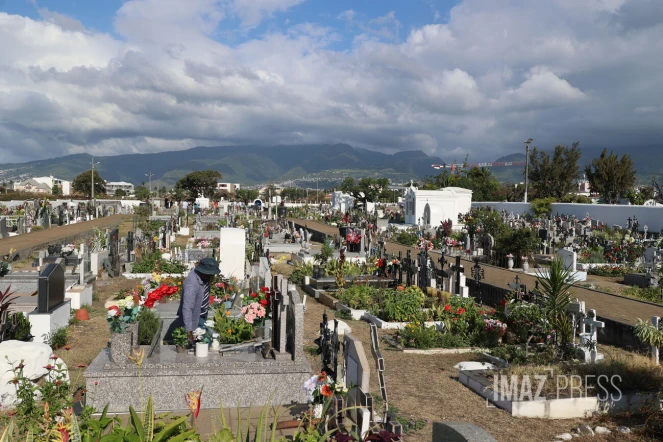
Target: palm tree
(555,285)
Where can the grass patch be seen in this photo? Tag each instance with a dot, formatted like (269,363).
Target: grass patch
(629,372)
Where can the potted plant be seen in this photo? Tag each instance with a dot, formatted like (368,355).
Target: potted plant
(509,262)
(180,339)
(124,329)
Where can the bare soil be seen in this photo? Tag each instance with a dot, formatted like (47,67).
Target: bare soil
(426,387)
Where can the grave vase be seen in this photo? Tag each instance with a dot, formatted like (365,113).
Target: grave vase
(259,332)
(317,410)
(509,263)
(202,349)
(122,344)
(51,250)
(525,266)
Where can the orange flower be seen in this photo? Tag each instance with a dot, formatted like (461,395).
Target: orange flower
(322,376)
(326,390)
(400,287)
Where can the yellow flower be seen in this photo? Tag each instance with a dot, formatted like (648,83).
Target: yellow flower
(179,283)
(227,312)
(230,331)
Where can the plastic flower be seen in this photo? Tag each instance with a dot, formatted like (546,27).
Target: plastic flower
(447,308)
(192,400)
(114,311)
(326,391)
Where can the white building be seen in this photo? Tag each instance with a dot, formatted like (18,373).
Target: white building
(228,187)
(32,185)
(431,207)
(65,186)
(113,186)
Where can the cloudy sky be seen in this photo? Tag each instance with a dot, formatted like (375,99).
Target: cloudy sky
(447,77)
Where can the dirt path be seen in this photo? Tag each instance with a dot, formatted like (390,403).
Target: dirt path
(41,239)
(611,306)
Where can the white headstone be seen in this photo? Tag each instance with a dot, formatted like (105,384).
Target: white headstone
(232,253)
(569,259)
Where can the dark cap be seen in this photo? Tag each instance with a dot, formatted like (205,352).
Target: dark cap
(208,266)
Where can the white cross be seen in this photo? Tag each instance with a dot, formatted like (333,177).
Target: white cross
(593,324)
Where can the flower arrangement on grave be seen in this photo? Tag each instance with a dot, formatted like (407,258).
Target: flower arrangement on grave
(255,314)
(393,264)
(122,314)
(524,258)
(353,237)
(495,326)
(221,291)
(156,295)
(232,330)
(68,249)
(450,242)
(510,256)
(320,388)
(425,244)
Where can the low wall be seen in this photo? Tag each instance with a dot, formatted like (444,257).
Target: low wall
(609,214)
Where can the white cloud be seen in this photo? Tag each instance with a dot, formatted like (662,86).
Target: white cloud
(495,73)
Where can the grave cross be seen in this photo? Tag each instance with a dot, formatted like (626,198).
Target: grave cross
(328,346)
(458,269)
(593,324)
(390,424)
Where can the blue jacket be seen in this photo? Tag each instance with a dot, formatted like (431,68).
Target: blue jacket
(193,294)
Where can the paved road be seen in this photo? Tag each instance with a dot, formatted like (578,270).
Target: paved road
(618,308)
(43,238)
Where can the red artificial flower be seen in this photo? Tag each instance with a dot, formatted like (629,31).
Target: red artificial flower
(447,308)
(263,302)
(254,295)
(326,391)
(460,311)
(322,376)
(264,290)
(211,299)
(115,309)
(503,302)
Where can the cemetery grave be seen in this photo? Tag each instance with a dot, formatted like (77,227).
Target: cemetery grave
(405,287)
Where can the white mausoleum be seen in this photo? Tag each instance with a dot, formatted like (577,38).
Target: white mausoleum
(431,207)
(342,201)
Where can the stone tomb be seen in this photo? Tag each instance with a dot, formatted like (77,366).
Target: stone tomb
(53,310)
(357,375)
(243,377)
(232,252)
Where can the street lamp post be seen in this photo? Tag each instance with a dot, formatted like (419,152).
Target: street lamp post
(92,194)
(527,143)
(150,194)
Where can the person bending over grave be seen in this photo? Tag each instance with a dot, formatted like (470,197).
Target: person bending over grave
(194,304)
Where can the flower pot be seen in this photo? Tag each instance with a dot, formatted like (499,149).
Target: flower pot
(317,410)
(215,344)
(228,305)
(51,250)
(307,280)
(509,263)
(58,249)
(180,349)
(82,314)
(202,350)
(259,332)
(525,266)
(122,344)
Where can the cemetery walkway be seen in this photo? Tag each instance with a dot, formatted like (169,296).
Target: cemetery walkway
(36,240)
(615,307)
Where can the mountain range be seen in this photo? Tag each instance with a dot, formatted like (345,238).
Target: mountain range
(288,165)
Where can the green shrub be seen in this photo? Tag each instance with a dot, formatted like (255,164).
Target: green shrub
(512,354)
(57,339)
(652,294)
(300,271)
(399,305)
(147,326)
(36,229)
(406,238)
(154,263)
(448,340)
(608,271)
(542,206)
(418,335)
(21,331)
(358,296)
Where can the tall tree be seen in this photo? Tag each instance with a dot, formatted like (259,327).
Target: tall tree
(83,183)
(247,196)
(365,189)
(554,176)
(610,176)
(200,183)
(141,193)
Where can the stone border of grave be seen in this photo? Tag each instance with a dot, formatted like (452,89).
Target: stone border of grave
(561,408)
(357,315)
(163,275)
(444,351)
(396,325)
